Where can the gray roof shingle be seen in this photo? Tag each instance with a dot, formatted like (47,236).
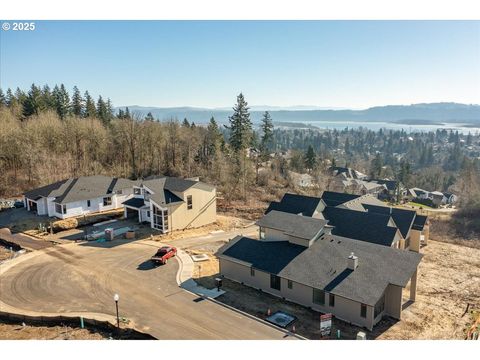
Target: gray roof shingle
(295,204)
(295,225)
(366,226)
(81,188)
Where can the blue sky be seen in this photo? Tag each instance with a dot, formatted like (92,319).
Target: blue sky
(353,64)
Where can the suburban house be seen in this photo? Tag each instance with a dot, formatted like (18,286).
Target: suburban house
(393,189)
(436,197)
(79,196)
(301,180)
(300,259)
(169,203)
(358,217)
(345,179)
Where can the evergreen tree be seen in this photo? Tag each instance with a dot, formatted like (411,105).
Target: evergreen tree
(33,102)
(90,109)
(214,138)
(185,123)
(127,113)
(267,133)
(310,158)
(47,97)
(102,110)
(240,126)
(62,101)
(77,102)
(149,117)
(376,166)
(9,97)
(109,110)
(3,99)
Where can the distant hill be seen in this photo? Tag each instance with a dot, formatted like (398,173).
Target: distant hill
(432,113)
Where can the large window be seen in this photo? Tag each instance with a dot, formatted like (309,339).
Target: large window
(107,201)
(331,300)
(60,209)
(189,202)
(363,310)
(274,282)
(137,191)
(379,307)
(88,203)
(289,284)
(318,297)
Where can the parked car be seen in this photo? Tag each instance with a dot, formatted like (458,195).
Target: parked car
(18,204)
(163,254)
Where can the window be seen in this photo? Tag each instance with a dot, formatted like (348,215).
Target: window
(262,233)
(88,203)
(289,284)
(274,282)
(148,213)
(189,202)
(318,297)
(107,201)
(60,209)
(363,310)
(331,300)
(252,272)
(119,192)
(137,191)
(379,307)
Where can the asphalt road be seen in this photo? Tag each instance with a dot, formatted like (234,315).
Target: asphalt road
(85,277)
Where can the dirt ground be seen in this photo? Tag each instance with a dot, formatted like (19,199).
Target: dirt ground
(223,223)
(5,253)
(449,279)
(19,332)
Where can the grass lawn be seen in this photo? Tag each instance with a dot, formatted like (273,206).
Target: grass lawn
(419,205)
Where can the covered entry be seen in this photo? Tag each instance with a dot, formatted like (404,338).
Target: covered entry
(132,208)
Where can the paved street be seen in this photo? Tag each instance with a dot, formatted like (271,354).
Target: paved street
(84,277)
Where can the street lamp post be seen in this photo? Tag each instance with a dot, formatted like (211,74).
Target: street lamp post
(116,297)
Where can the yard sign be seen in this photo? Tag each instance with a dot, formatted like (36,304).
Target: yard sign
(325,324)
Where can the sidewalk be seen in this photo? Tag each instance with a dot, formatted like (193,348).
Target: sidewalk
(184,277)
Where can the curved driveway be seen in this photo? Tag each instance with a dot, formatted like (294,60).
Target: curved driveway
(84,277)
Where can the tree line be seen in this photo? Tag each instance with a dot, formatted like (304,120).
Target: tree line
(47,136)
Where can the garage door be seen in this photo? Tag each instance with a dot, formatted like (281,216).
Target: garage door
(132,214)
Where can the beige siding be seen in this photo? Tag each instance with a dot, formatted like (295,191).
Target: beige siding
(274,235)
(203,212)
(344,309)
(393,301)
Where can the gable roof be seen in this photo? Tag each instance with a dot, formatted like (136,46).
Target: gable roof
(295,204)
(359,225)
(403,218)
(419,222)
(331,198)
(390,184)
(323,265)
(290,224)
(81,188)
(165,187)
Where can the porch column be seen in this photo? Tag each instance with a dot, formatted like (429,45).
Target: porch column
(426,233)
(413,286)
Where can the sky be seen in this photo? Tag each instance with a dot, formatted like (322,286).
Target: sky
(332,64)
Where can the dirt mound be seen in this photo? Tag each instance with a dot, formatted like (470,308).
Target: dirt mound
(66,224)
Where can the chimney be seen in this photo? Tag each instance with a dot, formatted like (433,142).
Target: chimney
(327,229)
(352,261)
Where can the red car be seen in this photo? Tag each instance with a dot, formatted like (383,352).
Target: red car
(163,254)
